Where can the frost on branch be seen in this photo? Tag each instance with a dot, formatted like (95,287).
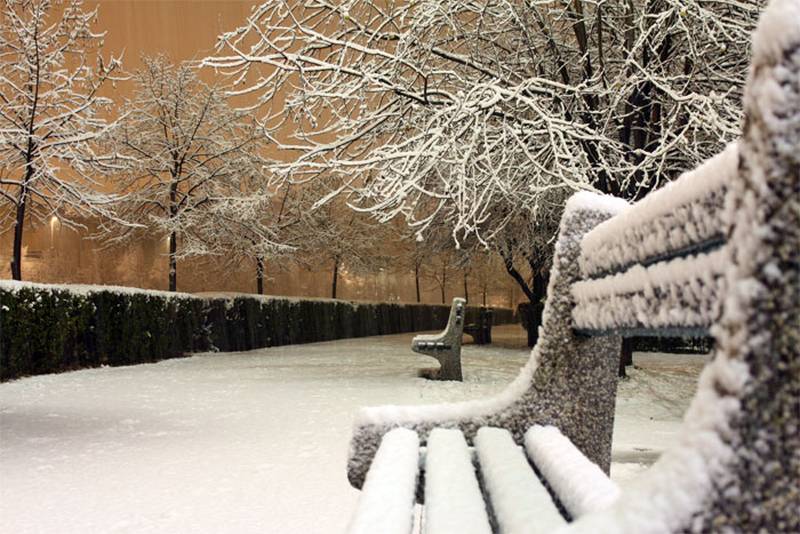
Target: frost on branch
(51,116)
(479,115)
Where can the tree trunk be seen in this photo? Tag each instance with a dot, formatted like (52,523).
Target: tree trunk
(260,275)
(416,281)
(484,295)
(444,281)
(173,262)
(173,241)
(16,258)
(466,289)
(335,277)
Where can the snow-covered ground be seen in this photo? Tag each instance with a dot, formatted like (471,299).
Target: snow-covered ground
(255,441)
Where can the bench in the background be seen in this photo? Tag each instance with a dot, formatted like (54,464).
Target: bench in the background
(717,251)
(445,346)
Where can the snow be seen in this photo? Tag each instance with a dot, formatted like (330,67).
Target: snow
(255,441)
(453,499)
(13,286)
(777,31)
(387,502)
(521,503)
(581,485)
(684,212)
(679,292)
(586,200)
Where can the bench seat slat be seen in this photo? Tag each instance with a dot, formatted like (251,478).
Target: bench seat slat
(580,485)
(386,503)
(453,499)
(520,501)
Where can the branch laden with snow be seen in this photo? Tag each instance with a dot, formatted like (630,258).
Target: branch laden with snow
(51,115)
(469,114)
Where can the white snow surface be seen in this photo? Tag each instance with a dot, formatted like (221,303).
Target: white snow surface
(679,292)
(521,503)
(256,441)
(453,499)
(84,289)
(586,200)
(387,501)
(668,219)
(579,483)
(778,29)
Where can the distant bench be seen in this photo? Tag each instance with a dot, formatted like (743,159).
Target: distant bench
(481,330)
(446,346)
(717,250)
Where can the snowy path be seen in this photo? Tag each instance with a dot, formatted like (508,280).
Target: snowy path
(251,442)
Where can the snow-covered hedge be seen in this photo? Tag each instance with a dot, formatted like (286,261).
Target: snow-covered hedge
(49,328)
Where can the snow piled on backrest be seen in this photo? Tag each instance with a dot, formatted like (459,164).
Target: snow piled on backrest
(586,200)
(778,28)
(689,186)
(611,244)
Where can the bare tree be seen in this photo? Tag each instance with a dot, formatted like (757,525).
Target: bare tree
(480,116)
(334,236)
(251,226)
(189,163)
(51,115)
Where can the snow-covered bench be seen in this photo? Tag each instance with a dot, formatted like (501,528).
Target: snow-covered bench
(481,330)
(445,346)
(716,251)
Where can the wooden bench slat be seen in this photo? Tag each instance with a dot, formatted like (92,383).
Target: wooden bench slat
(453,499)
(580,485)
(679,293)
(387,502)
(520,501)
(683,217)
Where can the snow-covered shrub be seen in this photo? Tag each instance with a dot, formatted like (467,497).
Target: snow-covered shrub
(48,328)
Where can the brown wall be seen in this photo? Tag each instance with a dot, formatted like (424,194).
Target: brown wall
(53,253)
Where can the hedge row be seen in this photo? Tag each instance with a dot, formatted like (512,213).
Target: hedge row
(45,329)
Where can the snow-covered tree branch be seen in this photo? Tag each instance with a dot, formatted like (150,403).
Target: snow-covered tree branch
(480,115)
(192,168)
(51,115)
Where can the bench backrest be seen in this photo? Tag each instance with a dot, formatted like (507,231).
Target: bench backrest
(727,259)
(717,251)
(656,268)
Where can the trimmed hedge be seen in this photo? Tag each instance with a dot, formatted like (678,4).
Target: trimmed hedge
(46,329)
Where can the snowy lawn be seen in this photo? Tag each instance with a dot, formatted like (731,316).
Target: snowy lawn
(255,441)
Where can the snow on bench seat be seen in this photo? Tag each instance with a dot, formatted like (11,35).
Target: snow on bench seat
(581,486)
(520,502)
(453,498)
(386,504)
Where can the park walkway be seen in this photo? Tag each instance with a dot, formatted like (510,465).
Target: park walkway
(255,441)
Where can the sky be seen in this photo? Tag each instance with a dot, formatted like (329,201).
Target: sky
(183,29)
